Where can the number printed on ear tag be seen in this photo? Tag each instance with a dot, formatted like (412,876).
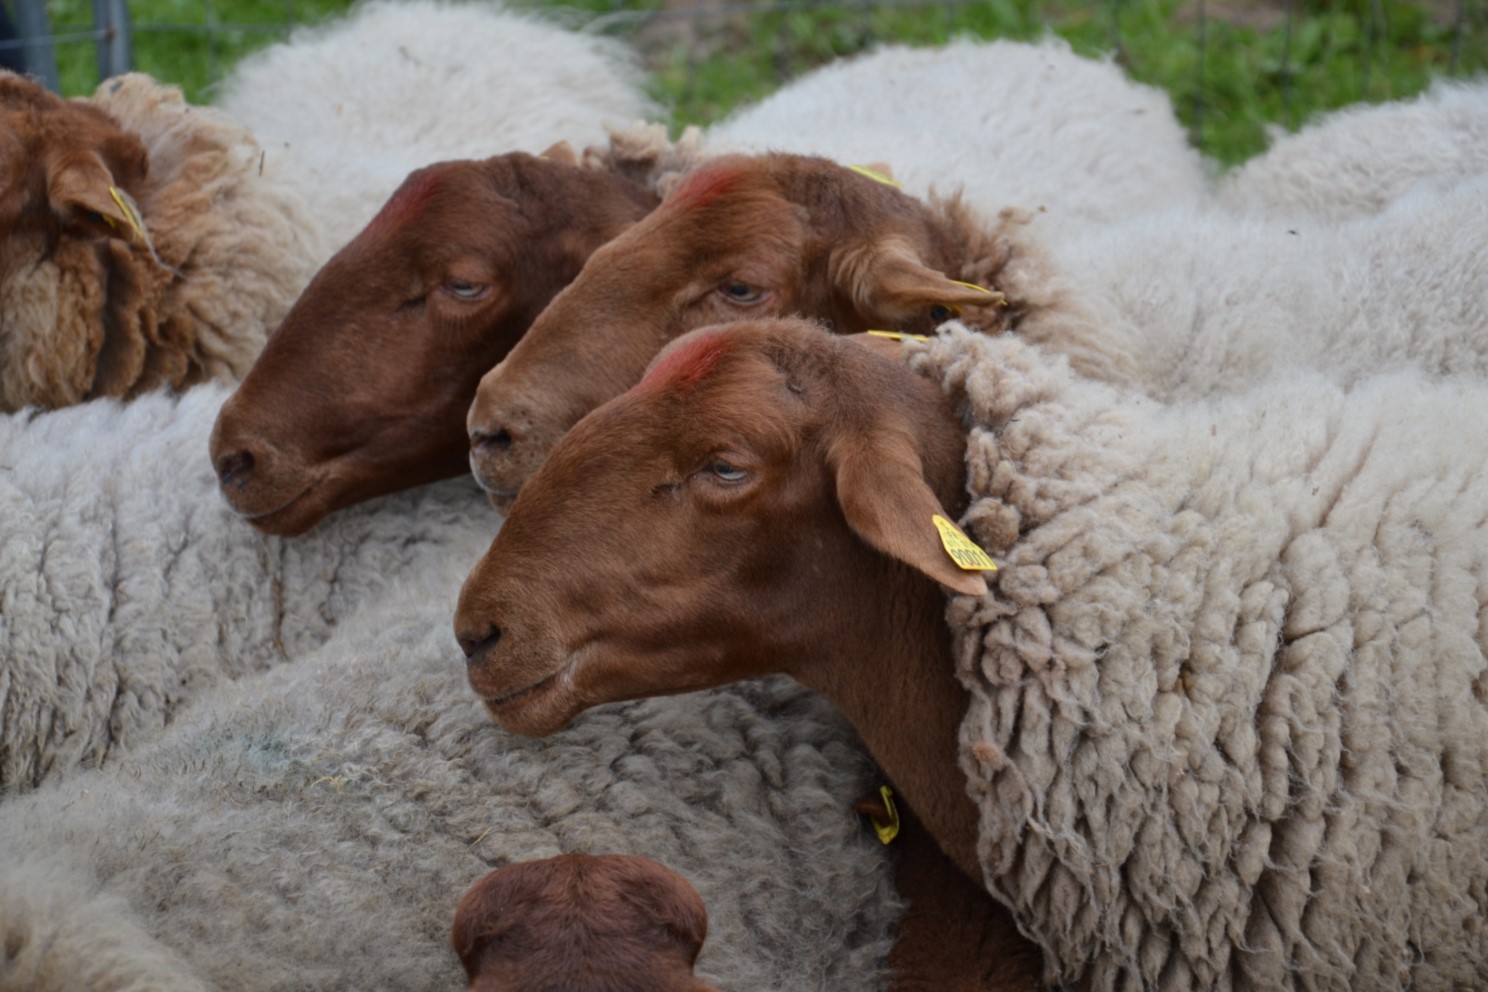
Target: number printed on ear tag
(962,549)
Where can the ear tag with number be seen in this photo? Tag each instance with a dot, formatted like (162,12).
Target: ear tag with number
(886,831)
(875,175)
(897,335)
(962,549)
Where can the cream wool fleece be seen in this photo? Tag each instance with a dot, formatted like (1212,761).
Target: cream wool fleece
(1229,727)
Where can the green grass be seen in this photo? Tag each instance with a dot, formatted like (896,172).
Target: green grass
(1249,72)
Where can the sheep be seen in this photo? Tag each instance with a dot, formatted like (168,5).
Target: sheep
(575,923)
(396,86)
(740,237)
(1012,124)
(1221,721)
(1179,303)
(364,388)
(129,588)
(1355,162)
(311,827)
(143,248)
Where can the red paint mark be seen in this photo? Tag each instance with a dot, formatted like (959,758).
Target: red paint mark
(687,364)
(704,186)
(408,200)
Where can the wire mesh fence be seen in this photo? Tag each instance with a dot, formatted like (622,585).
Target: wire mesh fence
(1233,66)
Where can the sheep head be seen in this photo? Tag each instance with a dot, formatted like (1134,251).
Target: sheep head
(575,923)
(78,275)
(364,387)
(764,495)
(741,238)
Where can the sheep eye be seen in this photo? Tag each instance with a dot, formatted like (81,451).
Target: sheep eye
(741,293)
(725,472)
(941,313)
(468,291)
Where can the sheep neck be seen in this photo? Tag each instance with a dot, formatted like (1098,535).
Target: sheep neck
(893,678)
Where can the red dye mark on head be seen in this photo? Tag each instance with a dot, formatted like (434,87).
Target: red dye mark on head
(687,364)
(408,200)
(704,186)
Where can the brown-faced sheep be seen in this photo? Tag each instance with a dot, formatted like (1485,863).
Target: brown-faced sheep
(1222,724)
(740,237)
(142,248)
(581,923)
(364,388)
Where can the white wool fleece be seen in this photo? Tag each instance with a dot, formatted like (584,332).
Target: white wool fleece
(1356,161)
(349,108)
(1229,727)
(311,828)
(1187,303)
(1034,127)
(128,586)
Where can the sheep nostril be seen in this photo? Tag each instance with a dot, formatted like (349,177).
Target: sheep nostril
(494,442)
(234,469)
(474,645)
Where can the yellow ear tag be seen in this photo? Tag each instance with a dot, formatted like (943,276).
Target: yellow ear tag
(129,214)
(886,831)
(898,335)
(972,285)
(962,549)
(875,175)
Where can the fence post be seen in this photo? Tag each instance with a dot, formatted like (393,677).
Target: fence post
(36,42)
(115,39)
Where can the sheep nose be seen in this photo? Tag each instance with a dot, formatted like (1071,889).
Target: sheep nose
(493,442)
(234,469)
(474,643)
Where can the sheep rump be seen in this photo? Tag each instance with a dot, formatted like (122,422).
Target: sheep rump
(1229,726)
(129,586)
(312,827)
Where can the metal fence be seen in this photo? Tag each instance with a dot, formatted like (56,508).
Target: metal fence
(681,39)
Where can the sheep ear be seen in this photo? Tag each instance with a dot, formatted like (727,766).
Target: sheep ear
(883,494)
(561,152)
(81,190)
(888,284)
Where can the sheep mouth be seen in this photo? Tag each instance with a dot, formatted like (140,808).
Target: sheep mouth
(507,704)
(287,519)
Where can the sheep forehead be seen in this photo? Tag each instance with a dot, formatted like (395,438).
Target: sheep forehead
(686,364)
(410,200)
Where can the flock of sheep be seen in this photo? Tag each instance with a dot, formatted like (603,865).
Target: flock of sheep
(1220,721)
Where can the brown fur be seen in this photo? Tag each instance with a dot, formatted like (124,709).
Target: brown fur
(363,390)
(639,560)
(181,285)
(578,923)
(742,237)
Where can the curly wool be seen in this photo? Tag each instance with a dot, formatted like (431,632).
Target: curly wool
(396,86)
(312,828)
(1229,725)
(129,587)
(226,253)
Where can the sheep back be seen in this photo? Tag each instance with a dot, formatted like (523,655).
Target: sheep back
(396,86)
(1229,726)
(128,586)
(312,827)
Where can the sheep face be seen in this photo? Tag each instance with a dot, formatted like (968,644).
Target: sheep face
(363,388)
(576,923)
(76,278)
(740,239)
(709,525)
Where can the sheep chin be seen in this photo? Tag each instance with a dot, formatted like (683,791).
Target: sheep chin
(540,709)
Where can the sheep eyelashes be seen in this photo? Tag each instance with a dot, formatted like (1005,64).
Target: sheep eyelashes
(605,923)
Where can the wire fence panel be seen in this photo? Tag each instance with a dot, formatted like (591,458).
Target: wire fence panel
(1233,67)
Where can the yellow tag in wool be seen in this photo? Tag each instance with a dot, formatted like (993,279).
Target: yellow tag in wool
(875,175)
(897,335)
(962,549)
(129,213)
(886,831)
